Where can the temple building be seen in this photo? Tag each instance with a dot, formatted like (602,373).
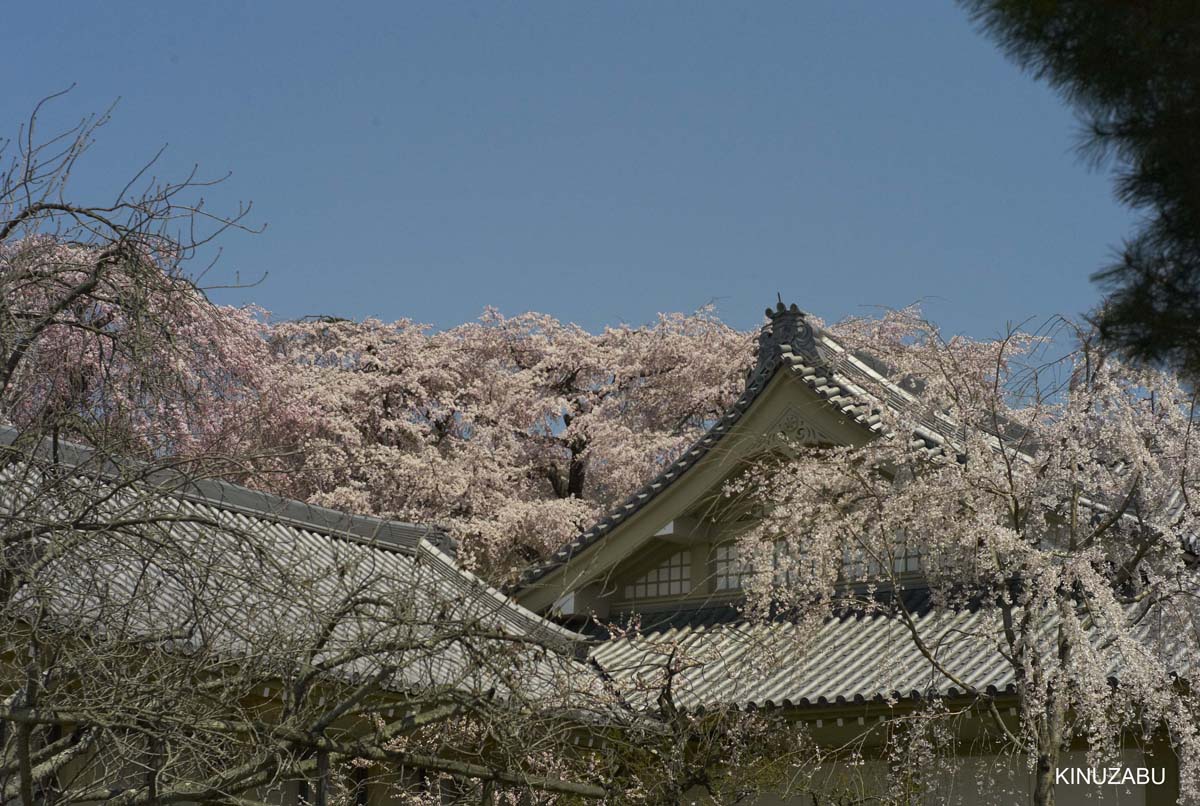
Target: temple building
(667,560)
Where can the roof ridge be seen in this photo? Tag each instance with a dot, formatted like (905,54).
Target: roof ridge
(240,498)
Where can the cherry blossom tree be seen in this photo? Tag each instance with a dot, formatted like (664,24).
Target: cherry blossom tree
(512,432)
(105,338)
(156,647)
(1052,499)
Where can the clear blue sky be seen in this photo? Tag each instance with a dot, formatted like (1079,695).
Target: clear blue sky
(599,162)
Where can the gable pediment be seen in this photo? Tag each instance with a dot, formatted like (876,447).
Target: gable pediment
(785,411)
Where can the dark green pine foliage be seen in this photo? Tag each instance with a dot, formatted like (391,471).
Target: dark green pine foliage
(1132,72)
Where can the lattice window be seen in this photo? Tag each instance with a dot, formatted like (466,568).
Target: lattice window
(906,560)
(786,573)
(672,578)
(729,569)
(856,564)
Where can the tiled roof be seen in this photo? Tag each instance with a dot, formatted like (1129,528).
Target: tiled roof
(854,658)
(787,343)
(249,571)
(405,556)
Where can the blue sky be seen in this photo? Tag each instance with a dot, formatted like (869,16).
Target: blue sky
(599,162)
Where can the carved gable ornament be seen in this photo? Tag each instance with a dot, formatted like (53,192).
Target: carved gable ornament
(793,428)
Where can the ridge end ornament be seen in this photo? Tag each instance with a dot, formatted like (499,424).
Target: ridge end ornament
(787,330)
